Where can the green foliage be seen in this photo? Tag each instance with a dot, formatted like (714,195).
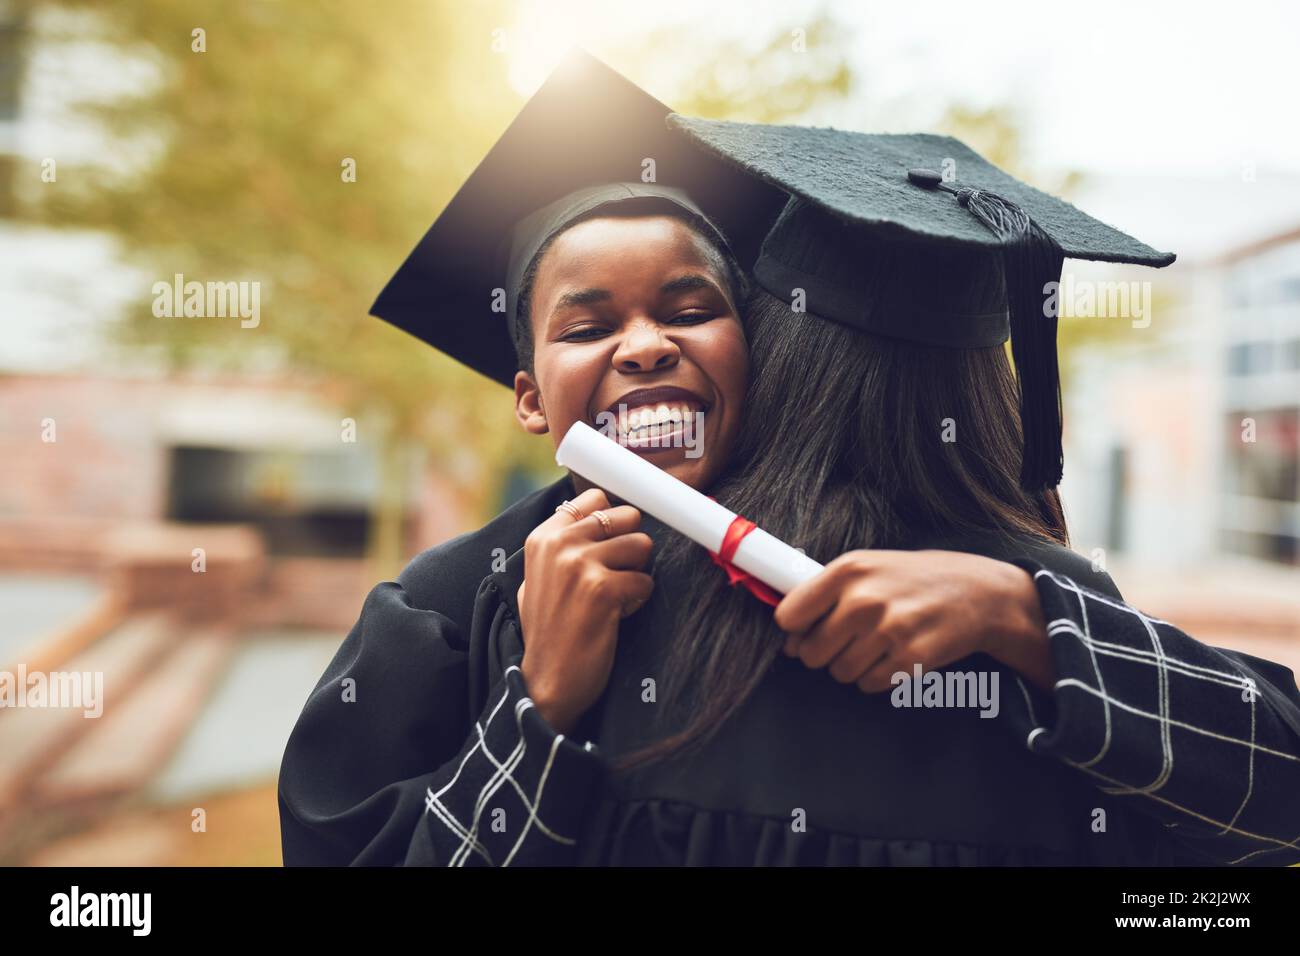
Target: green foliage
(772,82)
(243,146)
(250,138)
(242,181)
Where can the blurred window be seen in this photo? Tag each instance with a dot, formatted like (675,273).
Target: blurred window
(1238,356)
(1262,480)
(305,503)
(1259,358)
(1269,467)
(1282,548)
(1251,358)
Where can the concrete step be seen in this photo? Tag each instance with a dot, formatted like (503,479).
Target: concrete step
(33,738)
(134,741)
(35,606)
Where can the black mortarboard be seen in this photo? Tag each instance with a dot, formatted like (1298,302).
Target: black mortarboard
(918,237)
(586,127)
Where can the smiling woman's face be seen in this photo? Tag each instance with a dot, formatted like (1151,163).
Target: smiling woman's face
(633,323)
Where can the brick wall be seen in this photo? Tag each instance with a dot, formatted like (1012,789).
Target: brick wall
(95,500)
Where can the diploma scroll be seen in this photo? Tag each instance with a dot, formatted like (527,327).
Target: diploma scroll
(625,474)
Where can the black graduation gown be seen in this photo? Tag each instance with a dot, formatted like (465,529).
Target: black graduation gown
(1153,749)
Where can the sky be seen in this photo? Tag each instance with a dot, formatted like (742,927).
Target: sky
(1180,116)
(1103,86)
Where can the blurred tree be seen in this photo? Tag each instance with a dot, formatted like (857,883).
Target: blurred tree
(239,153)
(250,138)
(995,133)
(783,76)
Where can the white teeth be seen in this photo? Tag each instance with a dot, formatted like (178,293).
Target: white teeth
(654,420)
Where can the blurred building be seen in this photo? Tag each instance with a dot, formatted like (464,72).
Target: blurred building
(1259,513)
(99,444)
(1183,436)
(198,540)
(1181,429)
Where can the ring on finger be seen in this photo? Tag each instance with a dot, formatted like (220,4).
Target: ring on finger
(605,522)
(569,508)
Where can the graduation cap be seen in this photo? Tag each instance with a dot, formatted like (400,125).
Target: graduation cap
(588,138)
(918,237)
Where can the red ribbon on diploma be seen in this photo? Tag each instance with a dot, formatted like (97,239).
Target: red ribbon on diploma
(736,532)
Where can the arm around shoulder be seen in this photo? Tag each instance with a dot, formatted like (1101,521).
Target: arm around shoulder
(1205,740)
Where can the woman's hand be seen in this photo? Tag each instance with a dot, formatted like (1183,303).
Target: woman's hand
(581,580)
(871,614)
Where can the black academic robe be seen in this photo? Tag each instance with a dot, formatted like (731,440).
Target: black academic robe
(1152,749)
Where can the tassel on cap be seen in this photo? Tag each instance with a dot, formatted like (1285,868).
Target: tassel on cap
(1031,259)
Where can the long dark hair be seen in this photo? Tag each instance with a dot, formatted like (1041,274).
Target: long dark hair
(851,441)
